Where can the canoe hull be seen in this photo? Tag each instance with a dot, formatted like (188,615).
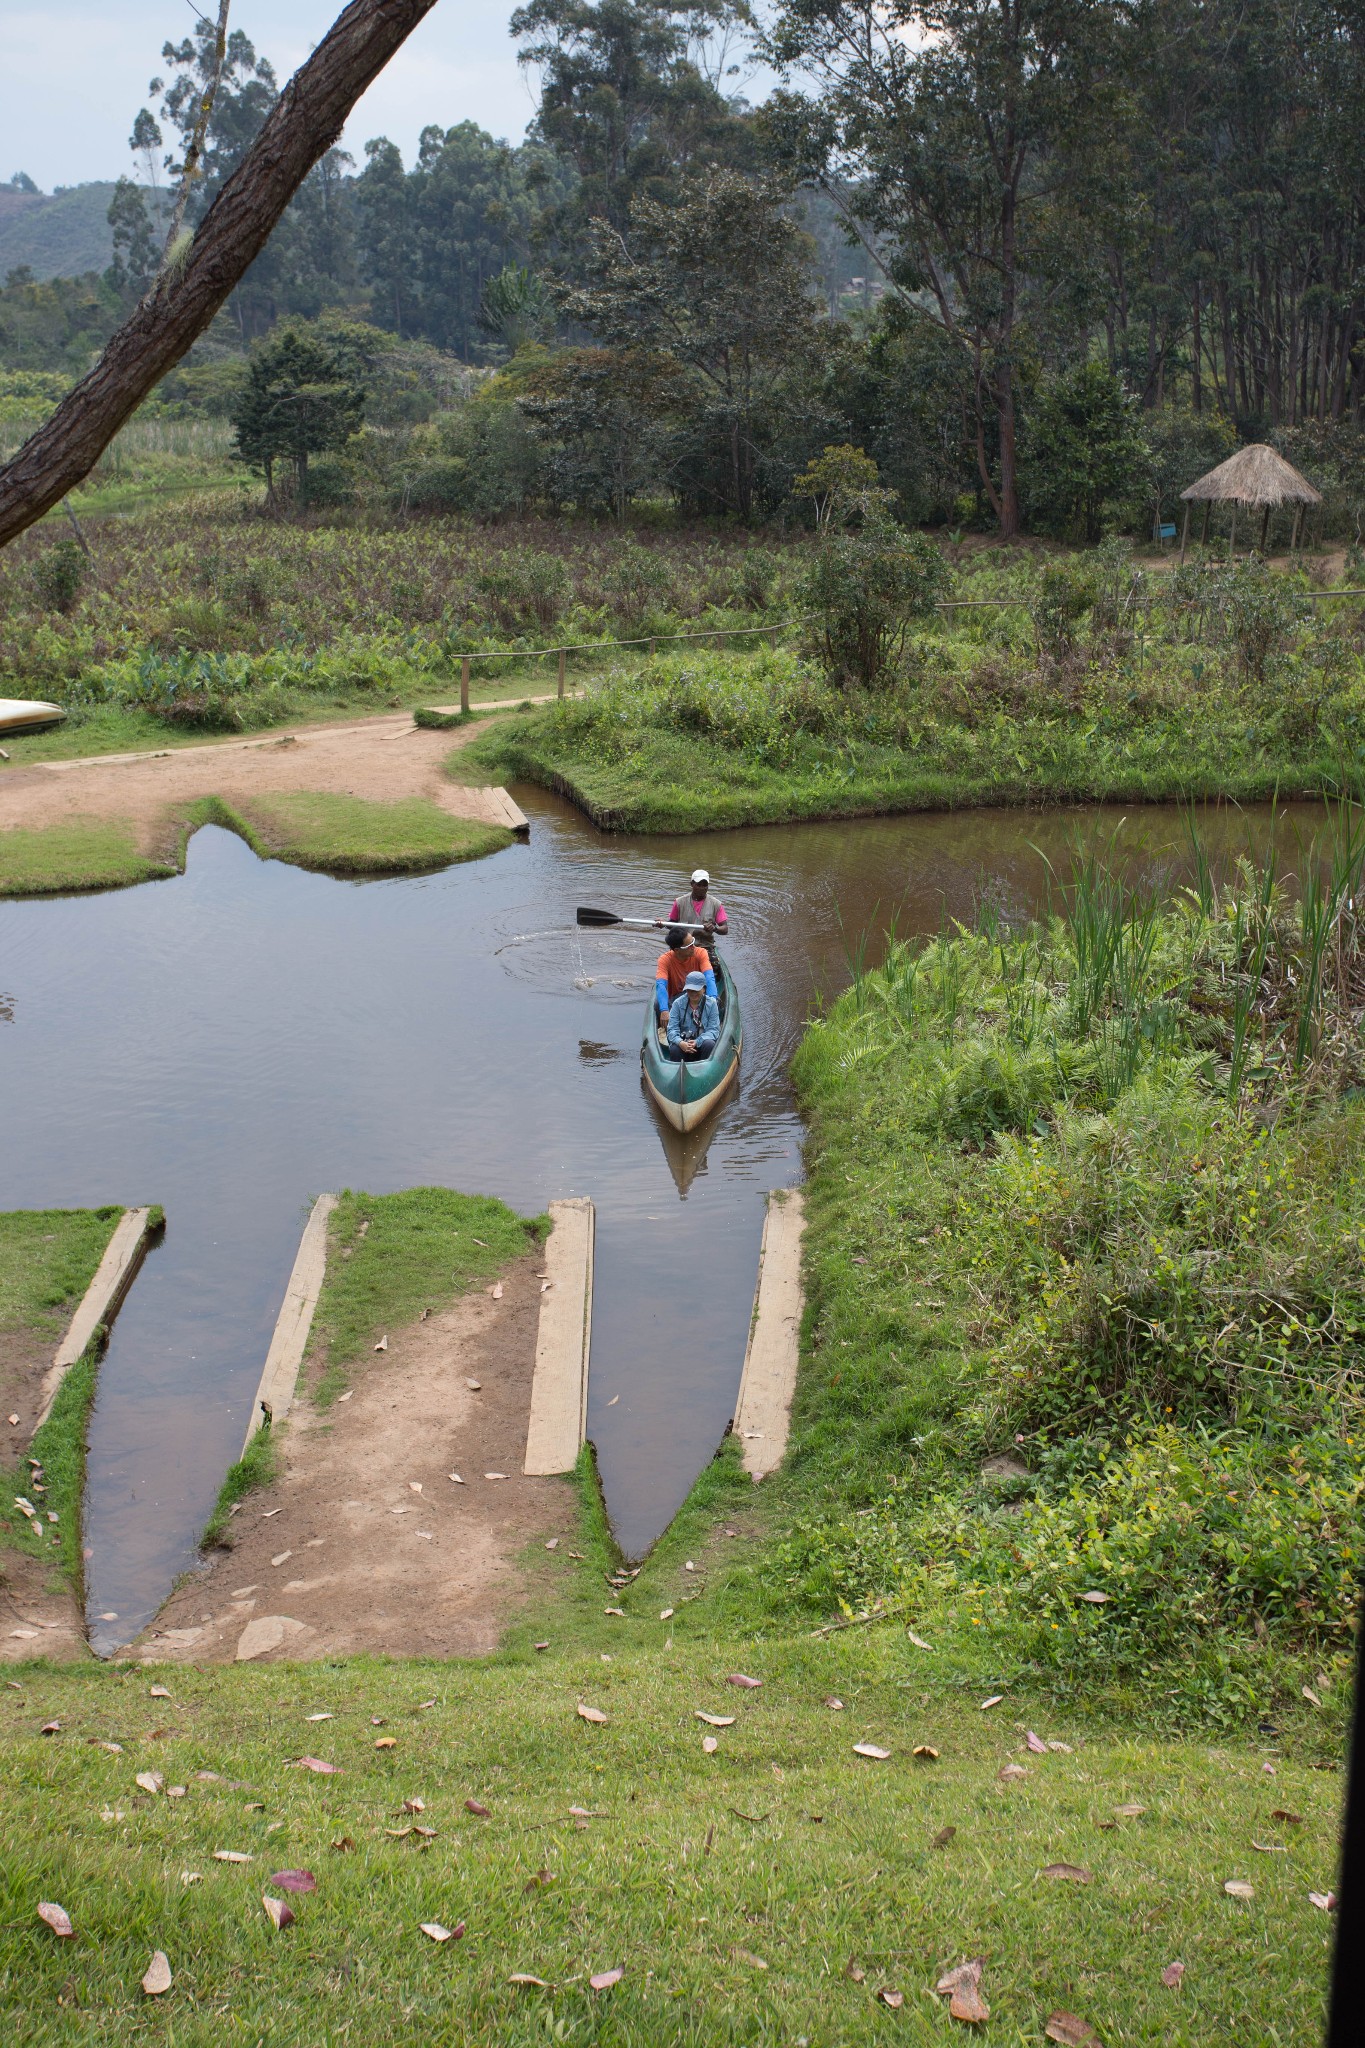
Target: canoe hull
(24,714)
(686,1092)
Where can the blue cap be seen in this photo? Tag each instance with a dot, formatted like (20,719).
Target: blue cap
(695,981)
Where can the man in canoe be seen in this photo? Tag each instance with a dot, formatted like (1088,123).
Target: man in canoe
(693,1021)
(699,906)
(683,956)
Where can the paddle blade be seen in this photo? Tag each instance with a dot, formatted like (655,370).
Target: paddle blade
(598,916)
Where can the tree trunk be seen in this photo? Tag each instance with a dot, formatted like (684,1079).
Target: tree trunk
(305,121)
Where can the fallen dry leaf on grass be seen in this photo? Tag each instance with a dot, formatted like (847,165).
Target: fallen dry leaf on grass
(1326,1902)
(1070,2030)
(1172,1975)
(1282,1813)
(540,1882)
(854,1971)
(710,1744)
(962,1987)
(993,1701)
(159,1692)
(158,1977)
(56,1917)
(1071,1873)
(943,1837)
(604,1980)
(1309,1694)
(715,1720)
(870,1749)
(895,1999)
(918,1641)
(666,1613)
(746,1955)
(320,1717)
(1238,1888)
(483,1812)
(1035,1743)
(315,1763)
(495,1475)
(1096,1599)
(436,1932)
(231,1856)
(1130,1812)
(188,1877)
(295,1880)
(835,1706)
(343,1842)
(414,1806)
(619,1612)
(387,1742)
(925,1750)
(1270,1848)
(1007,1771)
(593,1714)
(51,1728)
(525,1977)
(741,1678)
(150,1781)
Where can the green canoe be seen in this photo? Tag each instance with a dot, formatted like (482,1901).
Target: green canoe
(688,1090)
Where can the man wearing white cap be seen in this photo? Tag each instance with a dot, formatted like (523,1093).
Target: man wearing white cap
(700,907)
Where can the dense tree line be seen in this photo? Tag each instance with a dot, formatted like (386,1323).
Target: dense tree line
(1039,258)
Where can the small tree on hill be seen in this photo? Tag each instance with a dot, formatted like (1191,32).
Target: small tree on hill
(298,402)
(866,589)
(1087,455)
(844,484)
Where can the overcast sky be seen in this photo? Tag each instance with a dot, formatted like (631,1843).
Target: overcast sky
(73,73)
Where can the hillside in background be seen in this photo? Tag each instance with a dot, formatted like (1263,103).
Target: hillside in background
(57,234)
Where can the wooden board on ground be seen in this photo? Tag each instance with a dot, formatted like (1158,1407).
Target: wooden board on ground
(294,1323)
(101,1301)
(763,1410)
(559,1397)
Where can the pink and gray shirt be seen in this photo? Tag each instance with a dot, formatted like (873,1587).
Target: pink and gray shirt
(696,910)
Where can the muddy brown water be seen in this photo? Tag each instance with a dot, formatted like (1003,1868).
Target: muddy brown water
(233,1041)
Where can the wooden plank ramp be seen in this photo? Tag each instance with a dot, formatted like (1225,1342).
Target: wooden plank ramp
(559,1390)
(764,1407)
(293,1325)
(101,1301)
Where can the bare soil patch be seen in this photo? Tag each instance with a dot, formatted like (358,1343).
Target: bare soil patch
(365,1544)
(39,1616)
(381,759)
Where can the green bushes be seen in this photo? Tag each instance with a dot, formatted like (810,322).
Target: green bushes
(1061,1223)
(864,590)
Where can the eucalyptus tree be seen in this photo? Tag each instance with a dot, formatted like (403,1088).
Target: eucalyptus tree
(971,141)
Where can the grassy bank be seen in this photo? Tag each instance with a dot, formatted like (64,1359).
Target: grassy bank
(317,829)
(719,740)
(770,1891)
(1081,1398)
(48,1258)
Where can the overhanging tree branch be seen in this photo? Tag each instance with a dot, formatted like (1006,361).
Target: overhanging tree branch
(305,121)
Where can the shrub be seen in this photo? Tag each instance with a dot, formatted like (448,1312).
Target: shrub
(526,586)
(1084,454)
(866,588)
(59,573)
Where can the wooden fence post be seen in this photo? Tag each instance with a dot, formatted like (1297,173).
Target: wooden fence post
(561,671)
(464,686)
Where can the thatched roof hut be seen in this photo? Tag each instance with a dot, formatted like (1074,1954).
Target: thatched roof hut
(1255,475)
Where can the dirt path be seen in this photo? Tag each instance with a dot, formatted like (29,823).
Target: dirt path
(365,1545)
(383,759)
(38,1612)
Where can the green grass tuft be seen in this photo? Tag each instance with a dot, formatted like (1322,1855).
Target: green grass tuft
(256,1467)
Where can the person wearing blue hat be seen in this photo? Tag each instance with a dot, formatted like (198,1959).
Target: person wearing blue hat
(693,1021)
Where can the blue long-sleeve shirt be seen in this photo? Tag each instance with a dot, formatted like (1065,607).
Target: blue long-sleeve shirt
(704,1026)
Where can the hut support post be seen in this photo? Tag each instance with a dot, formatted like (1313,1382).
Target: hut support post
(1265,527)
(1298,524)
(1204,529)
(1232,536)
(1184,532)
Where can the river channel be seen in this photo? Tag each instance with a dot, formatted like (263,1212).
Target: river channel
(231,1042)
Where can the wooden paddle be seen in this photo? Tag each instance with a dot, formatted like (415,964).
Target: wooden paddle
(634,924)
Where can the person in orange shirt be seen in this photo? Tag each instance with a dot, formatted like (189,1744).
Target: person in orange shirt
(683,957)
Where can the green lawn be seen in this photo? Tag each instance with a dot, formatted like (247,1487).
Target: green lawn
(350,835)
(768,1892)
(82,853)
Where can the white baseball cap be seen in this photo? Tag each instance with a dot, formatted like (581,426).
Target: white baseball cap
(700,875)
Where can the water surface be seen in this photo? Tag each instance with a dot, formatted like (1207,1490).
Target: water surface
(233,1041)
